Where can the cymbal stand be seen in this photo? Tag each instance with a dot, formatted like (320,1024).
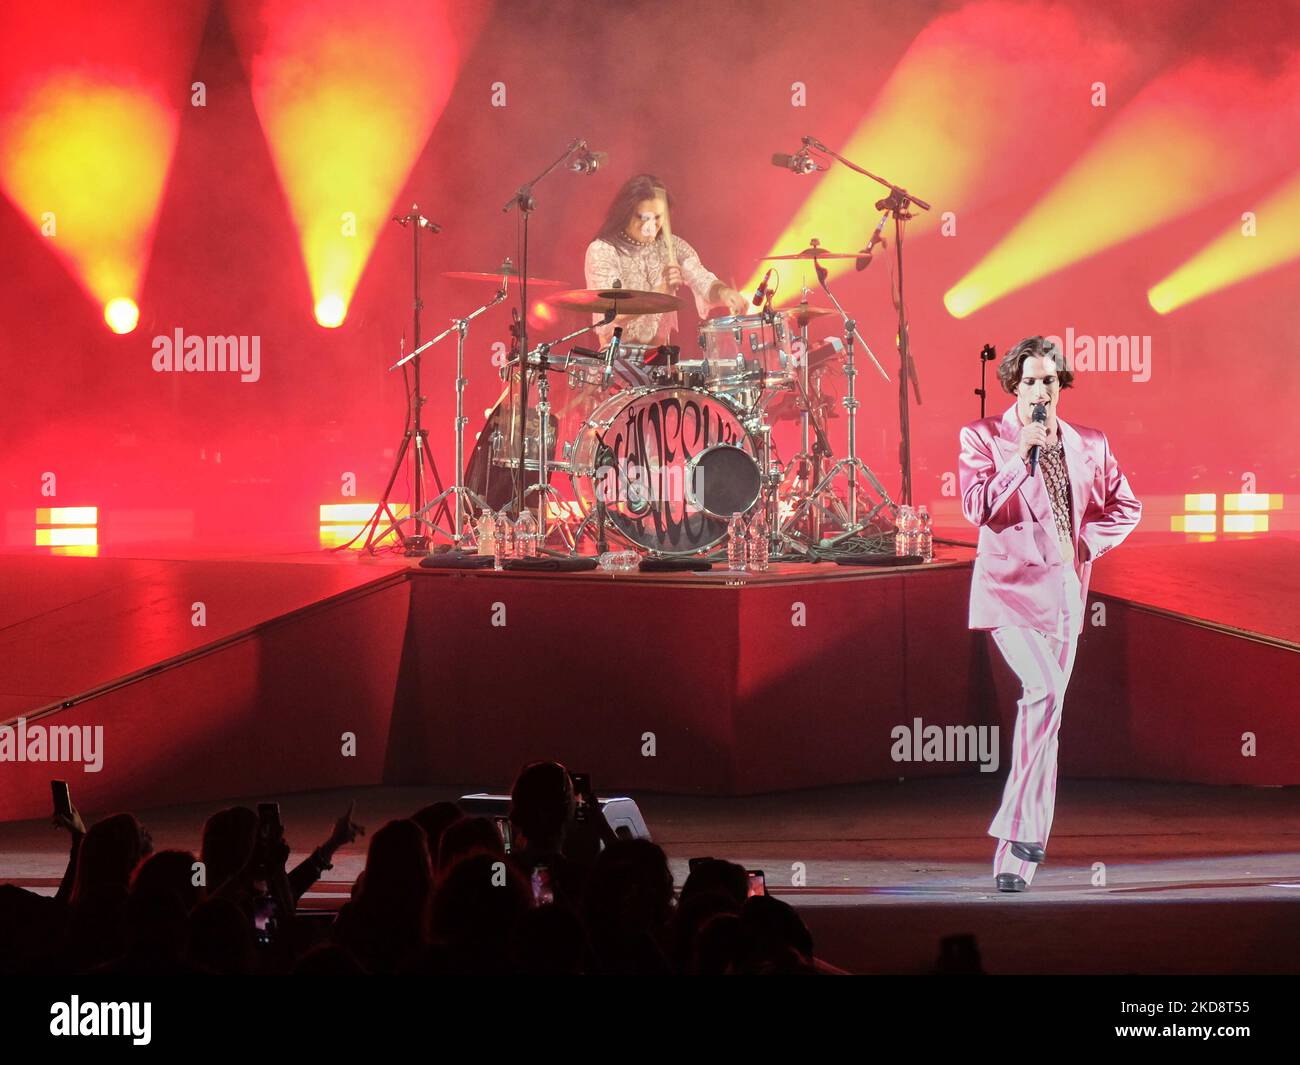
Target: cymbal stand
(807,462)
(540,357)
(457,492)
(850,465)
(898,204)
(807,467)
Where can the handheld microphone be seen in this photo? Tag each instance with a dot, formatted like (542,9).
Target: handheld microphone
(762,289)
(1040,416)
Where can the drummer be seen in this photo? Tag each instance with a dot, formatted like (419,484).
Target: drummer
(631,249)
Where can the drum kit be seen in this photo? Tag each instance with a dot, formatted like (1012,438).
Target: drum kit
(663,450)
(661,447)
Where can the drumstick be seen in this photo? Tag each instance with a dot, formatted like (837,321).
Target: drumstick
(668,228)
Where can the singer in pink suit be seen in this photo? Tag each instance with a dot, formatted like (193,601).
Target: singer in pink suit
(1049,499)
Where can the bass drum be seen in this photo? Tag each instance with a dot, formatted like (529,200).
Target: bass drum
(671,464)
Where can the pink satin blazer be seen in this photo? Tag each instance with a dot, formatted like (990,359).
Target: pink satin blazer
(1018,578)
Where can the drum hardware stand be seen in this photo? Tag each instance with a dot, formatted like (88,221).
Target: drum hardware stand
(807,466)
(898,204)
(457,492)
(604,457)
(417,542)
(544,489)
(851,464)
(586,162)
(599,514)
(809,458)
(541,357)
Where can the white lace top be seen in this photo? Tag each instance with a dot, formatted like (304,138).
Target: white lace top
(640,266)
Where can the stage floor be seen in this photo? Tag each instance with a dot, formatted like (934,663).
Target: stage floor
(729,671)
(1197,879)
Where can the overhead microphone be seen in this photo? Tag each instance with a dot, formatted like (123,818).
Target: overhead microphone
(404,220)
(1040,416)
(585,161)
(864,260)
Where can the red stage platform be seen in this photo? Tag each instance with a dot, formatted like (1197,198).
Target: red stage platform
(320,671)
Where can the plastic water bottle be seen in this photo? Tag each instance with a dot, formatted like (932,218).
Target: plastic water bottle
(503,535)
(486,528)
(526,536)
(619,561)
(925,536)
(902,527)
(758,545)
(736,544)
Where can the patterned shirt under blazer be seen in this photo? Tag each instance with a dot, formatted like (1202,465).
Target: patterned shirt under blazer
(1017,577)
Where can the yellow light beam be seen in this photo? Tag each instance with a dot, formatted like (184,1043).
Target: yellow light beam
(85,161)
(91,96)
(977,91)
(1182,142)
(347,92)
(1244,250)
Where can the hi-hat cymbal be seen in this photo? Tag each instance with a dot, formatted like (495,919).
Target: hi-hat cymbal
(618,300)
(813,251)
(507,269)
(803,313)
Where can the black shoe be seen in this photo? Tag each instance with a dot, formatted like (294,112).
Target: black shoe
(1029,852)
(1011,882)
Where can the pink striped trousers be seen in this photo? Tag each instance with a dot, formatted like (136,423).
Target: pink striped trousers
(1043,662)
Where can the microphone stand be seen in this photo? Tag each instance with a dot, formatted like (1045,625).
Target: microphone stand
(523,200)
(417,543)
(987,354)
(898,204)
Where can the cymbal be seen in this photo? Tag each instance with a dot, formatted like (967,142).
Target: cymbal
(803,313)
(507,270)
(813,251)
(619,300)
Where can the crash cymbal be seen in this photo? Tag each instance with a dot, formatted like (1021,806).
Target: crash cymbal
(507,269)
(619,300)
(813,251)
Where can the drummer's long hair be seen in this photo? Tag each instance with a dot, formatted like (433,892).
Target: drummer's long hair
(635,189)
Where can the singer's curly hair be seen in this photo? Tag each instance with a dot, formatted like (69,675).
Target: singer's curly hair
(1012,366)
